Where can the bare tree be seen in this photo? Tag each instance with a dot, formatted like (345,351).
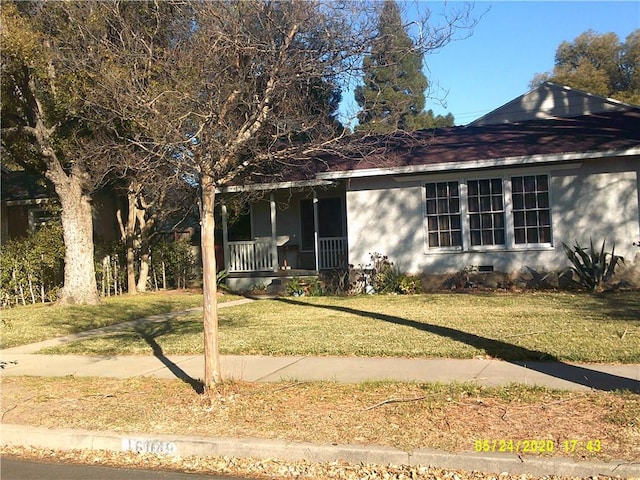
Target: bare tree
(156,197)
(232,92)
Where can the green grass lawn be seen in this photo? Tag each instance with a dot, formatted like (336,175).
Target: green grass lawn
(544,326)
(33,323)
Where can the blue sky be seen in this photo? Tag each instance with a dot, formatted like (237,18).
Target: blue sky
(511,43)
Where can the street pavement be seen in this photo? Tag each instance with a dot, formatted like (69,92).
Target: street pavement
(25,360)
(16,469)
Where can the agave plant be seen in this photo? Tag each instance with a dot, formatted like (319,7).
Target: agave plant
(593,267)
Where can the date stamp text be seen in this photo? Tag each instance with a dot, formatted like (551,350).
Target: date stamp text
(537,445)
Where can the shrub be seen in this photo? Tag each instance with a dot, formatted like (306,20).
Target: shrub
(337,281)
(389,279)
(297,287)
(173,263)
(221,276)
(410,284)
(592,267)
(32,268)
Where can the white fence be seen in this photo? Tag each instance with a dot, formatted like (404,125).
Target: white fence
(258,255)
(333,252)
(251,256)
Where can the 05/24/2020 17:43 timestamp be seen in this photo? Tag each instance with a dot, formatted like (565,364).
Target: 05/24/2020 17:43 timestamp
(537,445)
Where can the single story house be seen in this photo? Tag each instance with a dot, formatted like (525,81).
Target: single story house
(23,204)
(28,201)
(502,193)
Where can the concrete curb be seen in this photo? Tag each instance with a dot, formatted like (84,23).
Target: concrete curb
(183,446)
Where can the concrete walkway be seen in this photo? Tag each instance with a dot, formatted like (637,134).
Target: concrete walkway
(255,368)
(25,360)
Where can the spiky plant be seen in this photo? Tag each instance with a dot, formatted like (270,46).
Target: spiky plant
(593,267)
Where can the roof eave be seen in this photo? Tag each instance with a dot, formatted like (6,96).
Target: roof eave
(275,186)
(27,201)
(478,164)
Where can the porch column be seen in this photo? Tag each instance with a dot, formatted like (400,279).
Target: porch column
(274,243)
(316,241)
(225,237)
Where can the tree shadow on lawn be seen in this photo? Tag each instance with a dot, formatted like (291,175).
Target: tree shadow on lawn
(88,317)
(620,304)
(541,361)
(149,332)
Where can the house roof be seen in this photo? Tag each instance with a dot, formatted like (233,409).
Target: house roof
(533,141)
(530,142)
(550,100)
(19,187)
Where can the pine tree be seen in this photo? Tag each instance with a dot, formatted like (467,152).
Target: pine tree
(392,96)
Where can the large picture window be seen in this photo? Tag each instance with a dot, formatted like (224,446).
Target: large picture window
(473,213)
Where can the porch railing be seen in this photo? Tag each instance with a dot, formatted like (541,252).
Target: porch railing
(257,255)
(333,252)
(251,256)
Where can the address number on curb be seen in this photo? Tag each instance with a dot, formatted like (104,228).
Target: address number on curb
(145,445)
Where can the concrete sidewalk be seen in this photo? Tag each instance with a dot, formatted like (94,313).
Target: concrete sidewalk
(25,360)
(255,368)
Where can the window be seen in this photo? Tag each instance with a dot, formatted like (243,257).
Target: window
(531,212)
(39,217)
(443,214)
(494,212)
(486,212)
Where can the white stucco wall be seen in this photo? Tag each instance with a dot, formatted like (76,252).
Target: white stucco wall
(596,199)
(599,202)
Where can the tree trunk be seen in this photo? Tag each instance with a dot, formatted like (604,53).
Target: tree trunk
(127,233)
(145,230)
(144,267)
(210,318)
(77,225)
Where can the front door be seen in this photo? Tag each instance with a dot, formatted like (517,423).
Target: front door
(332,231)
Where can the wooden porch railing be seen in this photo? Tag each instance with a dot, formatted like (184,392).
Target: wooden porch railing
(333,252)
(251,256)
(257,255)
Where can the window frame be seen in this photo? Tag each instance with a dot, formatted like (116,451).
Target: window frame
(510,244)
(530,245)
(492,212)
(36,221)
(428,215)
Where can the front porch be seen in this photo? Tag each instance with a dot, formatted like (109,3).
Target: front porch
(272,255)
(292,234)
